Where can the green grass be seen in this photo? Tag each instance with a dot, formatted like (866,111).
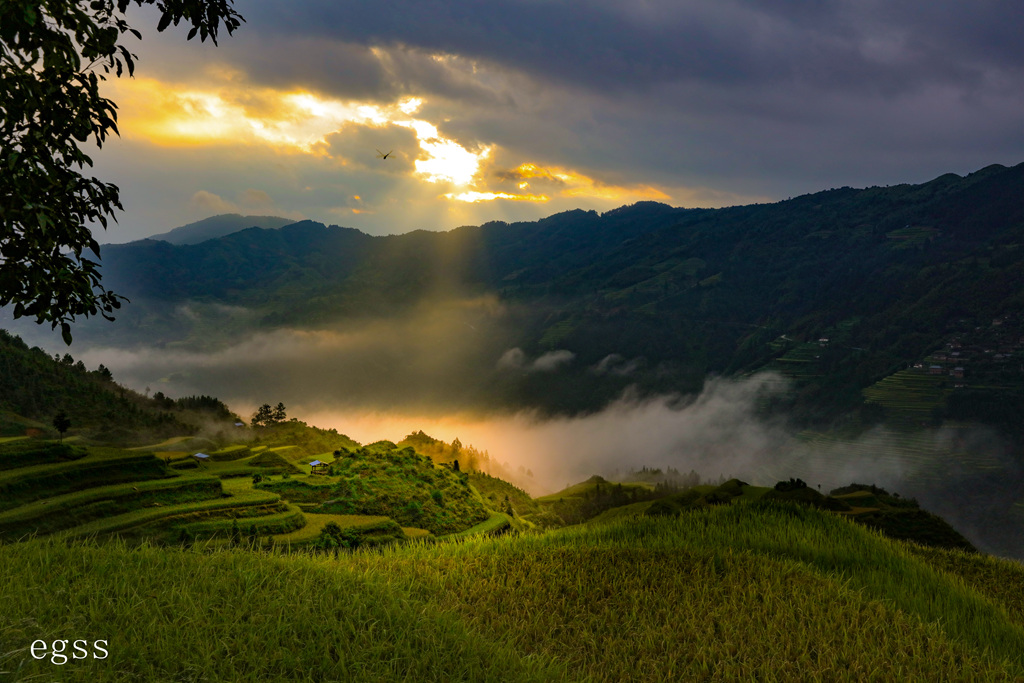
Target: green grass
(743,592)
(496,523)
(232,616)
(494,492)
(621,512)
(751,591)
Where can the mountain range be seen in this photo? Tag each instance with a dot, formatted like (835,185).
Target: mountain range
(662,296)
(218,226)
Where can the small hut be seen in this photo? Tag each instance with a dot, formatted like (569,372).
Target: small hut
(201,458)
(319,467)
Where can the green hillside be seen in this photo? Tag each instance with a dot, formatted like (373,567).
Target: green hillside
(737,592)
(386,481)
(35,387)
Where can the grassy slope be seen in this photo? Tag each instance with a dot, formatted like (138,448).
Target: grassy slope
(743,592)
(231,616)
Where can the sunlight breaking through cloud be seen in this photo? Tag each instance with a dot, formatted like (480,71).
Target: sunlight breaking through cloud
(474,196)
(446,160)
(292,121)
(570,183)
(228,111)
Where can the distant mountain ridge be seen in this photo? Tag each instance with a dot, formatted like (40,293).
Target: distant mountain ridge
(218,226)
(886,274)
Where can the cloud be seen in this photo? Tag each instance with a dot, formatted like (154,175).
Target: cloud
(209,202)
(614,364)
(735,83)
(719,432)
(250,202)
(552,360)
(617,46)
(516,359)
(513,359)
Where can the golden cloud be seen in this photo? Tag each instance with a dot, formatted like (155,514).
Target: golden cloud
(473,196)
(225,109)
(569,183)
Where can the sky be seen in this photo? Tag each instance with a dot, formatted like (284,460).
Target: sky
(518,109)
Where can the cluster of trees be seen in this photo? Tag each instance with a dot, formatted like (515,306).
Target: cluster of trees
(265,416)
(604,496)
(461,457)
(202,404)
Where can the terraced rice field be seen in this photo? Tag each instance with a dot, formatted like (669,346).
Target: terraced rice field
(163,444)
(556,333)
(287,520)
(316,522)
(73,509)
(800,362)
(253,503)
(133,494)
(923,456)
(910,396)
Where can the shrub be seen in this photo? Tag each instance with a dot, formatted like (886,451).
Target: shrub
(791,485)
(333,537)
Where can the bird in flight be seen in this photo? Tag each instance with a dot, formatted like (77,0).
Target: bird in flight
(382,155)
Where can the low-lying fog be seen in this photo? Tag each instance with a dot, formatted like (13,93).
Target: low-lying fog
(368,390)
(386,379)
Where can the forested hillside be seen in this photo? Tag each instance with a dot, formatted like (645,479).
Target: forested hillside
(35,387)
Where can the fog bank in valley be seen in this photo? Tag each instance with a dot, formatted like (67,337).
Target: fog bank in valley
(454,369)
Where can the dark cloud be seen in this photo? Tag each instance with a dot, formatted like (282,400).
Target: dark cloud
(762,98)
(887,47)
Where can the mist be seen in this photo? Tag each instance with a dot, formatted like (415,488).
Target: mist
(719,433)
(456,368)
(966,475)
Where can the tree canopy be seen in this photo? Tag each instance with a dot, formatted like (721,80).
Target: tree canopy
(53,56)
